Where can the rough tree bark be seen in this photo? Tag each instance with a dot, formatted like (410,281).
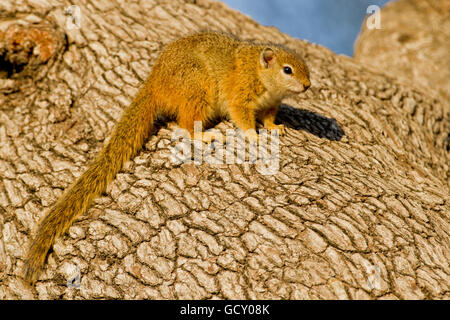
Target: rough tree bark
(342,209)
(413,43)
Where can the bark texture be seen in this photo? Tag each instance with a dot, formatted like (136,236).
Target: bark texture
(358,210)
(413,43)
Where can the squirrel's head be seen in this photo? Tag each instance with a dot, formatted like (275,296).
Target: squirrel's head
(283,72)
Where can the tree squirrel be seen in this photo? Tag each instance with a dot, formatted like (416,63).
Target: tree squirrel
(200,77)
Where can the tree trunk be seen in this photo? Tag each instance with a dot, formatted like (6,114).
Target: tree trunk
(359,208)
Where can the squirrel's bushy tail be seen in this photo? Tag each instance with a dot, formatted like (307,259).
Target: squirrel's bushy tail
(127,139)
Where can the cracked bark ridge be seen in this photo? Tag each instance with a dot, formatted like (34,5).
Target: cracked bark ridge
(413,43)
(358,210)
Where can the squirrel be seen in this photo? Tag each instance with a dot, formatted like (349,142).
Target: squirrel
(200,77)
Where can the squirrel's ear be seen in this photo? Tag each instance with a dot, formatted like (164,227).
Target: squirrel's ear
(268,57)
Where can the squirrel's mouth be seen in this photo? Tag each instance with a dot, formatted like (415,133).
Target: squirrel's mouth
(299,90)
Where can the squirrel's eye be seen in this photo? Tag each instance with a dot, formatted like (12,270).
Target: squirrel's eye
(287,70)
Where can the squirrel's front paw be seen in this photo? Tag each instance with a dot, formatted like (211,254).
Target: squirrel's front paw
(251,135)
(274,126)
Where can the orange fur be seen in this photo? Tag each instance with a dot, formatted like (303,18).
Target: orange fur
(197,78)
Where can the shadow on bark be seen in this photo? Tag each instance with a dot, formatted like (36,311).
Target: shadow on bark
(311,122)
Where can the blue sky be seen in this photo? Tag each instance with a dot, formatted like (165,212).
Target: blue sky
(334,24)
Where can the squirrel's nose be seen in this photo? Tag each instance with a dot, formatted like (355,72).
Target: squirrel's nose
(307,85)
